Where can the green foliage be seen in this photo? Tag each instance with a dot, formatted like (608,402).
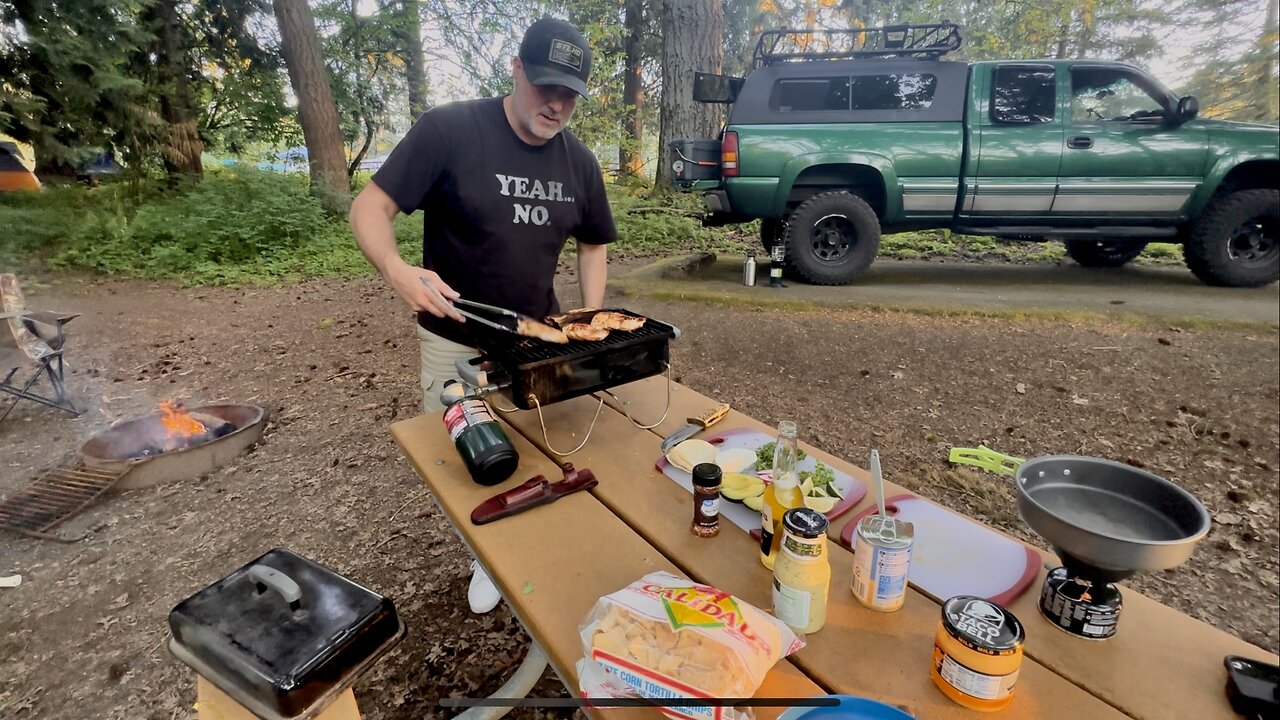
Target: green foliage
(650,226)
(243,225)
(240,225)
(67,86)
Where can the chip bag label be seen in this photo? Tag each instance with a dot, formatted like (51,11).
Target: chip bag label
(666,637)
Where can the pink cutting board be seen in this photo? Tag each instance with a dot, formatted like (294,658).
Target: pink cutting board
(954,555)
(744,517)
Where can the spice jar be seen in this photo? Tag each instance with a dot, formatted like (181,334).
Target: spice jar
(802,572)
(706,499)
(977,653)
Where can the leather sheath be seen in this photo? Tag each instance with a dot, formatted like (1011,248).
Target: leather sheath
(532,493)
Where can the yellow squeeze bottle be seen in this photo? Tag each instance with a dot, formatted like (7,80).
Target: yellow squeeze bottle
(782,494)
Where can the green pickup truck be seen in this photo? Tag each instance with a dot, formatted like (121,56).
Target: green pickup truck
(838,136)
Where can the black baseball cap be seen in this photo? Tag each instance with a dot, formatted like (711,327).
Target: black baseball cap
(555,53)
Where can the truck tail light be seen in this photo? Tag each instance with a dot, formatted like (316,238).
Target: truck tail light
(729,154)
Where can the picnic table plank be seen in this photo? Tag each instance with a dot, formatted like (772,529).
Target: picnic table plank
(1191,680)
(881,655)
(537,547)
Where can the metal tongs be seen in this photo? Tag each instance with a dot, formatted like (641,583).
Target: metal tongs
(510,320)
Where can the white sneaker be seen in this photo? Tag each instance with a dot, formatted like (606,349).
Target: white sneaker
(482,594)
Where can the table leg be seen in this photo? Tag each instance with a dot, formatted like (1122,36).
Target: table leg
(525,677)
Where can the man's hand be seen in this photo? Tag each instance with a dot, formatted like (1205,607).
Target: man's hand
(423,290)
(371,219)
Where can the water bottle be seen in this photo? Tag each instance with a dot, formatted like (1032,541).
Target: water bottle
(749,270)
(777,256)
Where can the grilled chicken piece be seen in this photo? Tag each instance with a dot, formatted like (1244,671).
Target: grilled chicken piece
(534,329)
(610,320)
(583,331)
(571,316)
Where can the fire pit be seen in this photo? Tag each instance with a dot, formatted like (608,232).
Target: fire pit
(167,445)
(173,443)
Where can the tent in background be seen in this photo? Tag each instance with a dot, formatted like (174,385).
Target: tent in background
(14,171)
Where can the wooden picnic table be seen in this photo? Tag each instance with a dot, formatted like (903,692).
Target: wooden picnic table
(553,562)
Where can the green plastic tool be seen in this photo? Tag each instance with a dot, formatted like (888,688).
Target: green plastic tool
(987,459)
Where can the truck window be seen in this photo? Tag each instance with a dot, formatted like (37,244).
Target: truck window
(1023,94)
(810,94)
(902,91)
(1101,94)
(896,91)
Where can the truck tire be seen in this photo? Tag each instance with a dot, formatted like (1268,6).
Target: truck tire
(1104,253)
(770,232)
(831,239)
(1236,240)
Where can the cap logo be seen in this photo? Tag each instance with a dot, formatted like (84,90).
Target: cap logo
(566,53)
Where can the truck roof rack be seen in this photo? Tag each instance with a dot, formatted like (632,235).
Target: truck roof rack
(891,41)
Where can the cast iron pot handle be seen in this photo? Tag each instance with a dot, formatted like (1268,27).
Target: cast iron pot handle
(269,577)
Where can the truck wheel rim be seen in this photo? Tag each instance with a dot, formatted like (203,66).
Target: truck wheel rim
(832,238)
(1253,243)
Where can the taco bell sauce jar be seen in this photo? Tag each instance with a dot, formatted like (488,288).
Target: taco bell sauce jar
(977,653)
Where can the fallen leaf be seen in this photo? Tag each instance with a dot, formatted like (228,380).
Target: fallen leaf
(1228,519)
(1079,400)
(528,587)
(1020,388)
(1164,341)
(119,603)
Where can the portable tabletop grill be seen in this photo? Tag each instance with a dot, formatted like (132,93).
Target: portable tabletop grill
(533,372)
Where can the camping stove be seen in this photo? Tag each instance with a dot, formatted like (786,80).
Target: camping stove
(1106,521)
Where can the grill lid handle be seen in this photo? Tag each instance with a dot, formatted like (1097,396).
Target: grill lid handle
(265,577)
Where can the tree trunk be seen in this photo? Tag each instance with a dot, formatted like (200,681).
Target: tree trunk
(415,70)
(1267,105)
(630,162)
(317,113)
(182,142)
(692,40)
(370,129)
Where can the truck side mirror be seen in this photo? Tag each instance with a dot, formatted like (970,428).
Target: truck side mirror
(1188,108)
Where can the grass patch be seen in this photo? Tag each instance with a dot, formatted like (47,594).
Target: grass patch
(242,225)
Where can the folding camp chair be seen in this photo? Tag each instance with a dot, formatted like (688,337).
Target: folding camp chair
(31,341)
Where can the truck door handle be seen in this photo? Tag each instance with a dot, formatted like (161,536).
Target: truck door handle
(1080,142)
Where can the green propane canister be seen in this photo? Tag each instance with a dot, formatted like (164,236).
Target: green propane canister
(485,449)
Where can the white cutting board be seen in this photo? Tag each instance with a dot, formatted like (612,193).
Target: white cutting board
(954,555)
(744,517)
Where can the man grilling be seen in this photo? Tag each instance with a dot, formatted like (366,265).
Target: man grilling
(502,185)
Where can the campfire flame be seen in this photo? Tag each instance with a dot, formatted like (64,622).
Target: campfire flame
(178,424)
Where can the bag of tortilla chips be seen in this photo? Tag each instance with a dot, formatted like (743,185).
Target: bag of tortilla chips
(665,637)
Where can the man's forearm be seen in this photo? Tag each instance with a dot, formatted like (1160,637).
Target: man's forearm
(593,273)
(376,236)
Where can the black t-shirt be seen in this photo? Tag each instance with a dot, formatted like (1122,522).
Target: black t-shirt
(496,211)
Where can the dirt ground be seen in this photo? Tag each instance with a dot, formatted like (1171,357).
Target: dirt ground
(334,362)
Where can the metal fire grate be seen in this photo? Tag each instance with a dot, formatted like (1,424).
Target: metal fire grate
(55,496)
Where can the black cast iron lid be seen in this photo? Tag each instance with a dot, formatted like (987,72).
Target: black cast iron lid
(282,632)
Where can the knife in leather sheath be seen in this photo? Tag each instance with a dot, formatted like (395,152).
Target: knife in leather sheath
(693,426)
(532,493)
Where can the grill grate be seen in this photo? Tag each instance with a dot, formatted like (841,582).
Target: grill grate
(532,350)
(55,496)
